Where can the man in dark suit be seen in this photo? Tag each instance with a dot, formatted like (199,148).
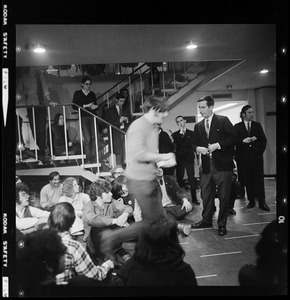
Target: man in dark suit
(166,145)
(214,139)
(185,156)
(250,146)
(121,118)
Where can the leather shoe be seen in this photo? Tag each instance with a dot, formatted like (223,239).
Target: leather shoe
(201,224)
(251,205)
(222,230)
(264,206)
(196,202)
(231,211)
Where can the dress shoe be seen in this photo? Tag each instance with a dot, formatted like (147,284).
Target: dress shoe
(201,224)
(231,211)
(196,202)
(222,230)
(251,205)
(264,206)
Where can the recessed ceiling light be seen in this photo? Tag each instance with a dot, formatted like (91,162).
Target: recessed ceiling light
(191,45)
(39,49)
(264,71)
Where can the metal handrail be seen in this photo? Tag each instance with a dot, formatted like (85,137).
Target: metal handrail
(67,156)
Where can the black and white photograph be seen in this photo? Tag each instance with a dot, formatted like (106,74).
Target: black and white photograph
(146,147)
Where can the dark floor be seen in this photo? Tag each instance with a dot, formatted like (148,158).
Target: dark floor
(216,260)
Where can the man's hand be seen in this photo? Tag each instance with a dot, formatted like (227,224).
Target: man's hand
(53,104)
(121,220)
(212,147)
(202,150)
(187,205)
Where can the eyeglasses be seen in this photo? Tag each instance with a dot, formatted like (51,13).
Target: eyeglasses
(87,83)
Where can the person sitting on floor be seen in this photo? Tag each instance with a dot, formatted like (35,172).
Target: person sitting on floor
(101,213)
(38,263)
(174,200)
(51,192)
(270,269)
(28,218)
(158,259)
(120,193)
(71,193)
(77,260)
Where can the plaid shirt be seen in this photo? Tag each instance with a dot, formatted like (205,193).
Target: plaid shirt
(78,262)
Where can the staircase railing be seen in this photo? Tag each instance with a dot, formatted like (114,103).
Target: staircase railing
(103,143)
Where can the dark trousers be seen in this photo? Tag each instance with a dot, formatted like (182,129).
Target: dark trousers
(255,180)
(148,195)
(215,182)
(40,126)
(88,131)
(189,167)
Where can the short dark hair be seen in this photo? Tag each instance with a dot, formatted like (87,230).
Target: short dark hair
(179,117)
(62,217)
(21,187)
(86,78)
(157,103)
(117,186)
(244,109)
(158,241)
(41,252)
(120,96)
(52,175)
(98,187)
(209,100)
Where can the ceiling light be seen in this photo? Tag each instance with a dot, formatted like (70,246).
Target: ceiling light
(264,71)
(38,48)
(191,45)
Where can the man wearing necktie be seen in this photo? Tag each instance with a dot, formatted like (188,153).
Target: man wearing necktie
(121,118)
(185,156)
(250,146)
(215,143)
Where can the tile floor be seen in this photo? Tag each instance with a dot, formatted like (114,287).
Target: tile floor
(216,260)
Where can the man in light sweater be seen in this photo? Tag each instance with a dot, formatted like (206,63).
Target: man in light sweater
(141,171)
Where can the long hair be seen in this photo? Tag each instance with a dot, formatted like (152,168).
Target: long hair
(67,187)
(158,242)
(56,118)
(21,187)
(62,217)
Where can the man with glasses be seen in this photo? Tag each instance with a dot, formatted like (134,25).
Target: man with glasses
(86,99)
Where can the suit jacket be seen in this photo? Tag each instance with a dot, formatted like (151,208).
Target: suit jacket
(174,191)
(112,116)
(184,146)
(222,132)
(251,151)
(165,143)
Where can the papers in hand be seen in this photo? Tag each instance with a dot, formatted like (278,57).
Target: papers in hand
(167,163)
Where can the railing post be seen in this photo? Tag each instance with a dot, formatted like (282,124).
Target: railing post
(49,130)
(34,130)
(19,136)
(111,144)
(81,135)
(65,132)
(97,144)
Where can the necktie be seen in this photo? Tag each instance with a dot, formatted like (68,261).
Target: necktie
(39,89)
(161,182)
(207,127)
(248,127)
